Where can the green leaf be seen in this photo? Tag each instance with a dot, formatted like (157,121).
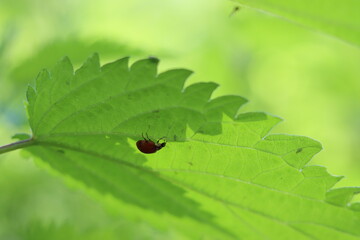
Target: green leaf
(342,196)
(220,173)
(339,19)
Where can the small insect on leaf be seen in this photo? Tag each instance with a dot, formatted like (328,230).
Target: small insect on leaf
(148,146)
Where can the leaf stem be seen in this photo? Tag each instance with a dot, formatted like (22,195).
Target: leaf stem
(17,145)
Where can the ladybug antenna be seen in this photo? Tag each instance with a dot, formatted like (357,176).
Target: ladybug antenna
(161,139)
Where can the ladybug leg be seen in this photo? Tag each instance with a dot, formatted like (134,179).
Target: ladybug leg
(148,139)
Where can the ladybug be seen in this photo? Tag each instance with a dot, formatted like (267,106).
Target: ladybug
(148,146)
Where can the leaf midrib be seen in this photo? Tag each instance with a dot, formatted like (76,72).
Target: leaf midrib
(152,170)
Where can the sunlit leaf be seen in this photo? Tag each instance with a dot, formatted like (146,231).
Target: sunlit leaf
(220,171)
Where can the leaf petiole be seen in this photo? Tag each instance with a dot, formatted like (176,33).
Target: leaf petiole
(17,145)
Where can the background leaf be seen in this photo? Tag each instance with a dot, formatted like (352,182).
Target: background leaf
(337,19)
(85,126)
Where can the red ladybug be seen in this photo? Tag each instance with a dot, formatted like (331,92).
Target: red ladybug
(148,146)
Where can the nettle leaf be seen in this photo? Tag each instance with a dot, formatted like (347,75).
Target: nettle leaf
(220,171)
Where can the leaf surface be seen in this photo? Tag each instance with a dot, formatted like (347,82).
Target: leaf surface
(220,172)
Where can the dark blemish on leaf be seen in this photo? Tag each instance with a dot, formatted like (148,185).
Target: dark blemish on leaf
(61,151)
(175,137)
(190,163)
(156,111)
(235,10)
(153,59)
(299,150)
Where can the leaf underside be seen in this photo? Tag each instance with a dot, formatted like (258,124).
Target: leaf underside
(220,171)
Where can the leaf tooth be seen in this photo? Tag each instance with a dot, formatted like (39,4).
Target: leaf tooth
(321,172)
(259,123)
(62,76)
(341,196)
(175,77)
(229,105)
(42,80)
(198,94)
(298,150)
(117,66)
(317,181)
(63,66)
(89,70)
(145,68)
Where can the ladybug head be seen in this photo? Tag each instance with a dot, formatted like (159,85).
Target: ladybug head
(160,145)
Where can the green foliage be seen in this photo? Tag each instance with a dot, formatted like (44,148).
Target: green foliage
(338,19)
(221,172)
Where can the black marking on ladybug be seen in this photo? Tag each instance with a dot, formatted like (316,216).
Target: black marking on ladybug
(148,146)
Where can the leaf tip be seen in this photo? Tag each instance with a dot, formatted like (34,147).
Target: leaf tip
(94,59)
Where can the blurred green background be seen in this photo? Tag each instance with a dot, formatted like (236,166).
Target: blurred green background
(309,79)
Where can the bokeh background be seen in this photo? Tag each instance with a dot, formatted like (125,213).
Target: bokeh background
(310,79)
